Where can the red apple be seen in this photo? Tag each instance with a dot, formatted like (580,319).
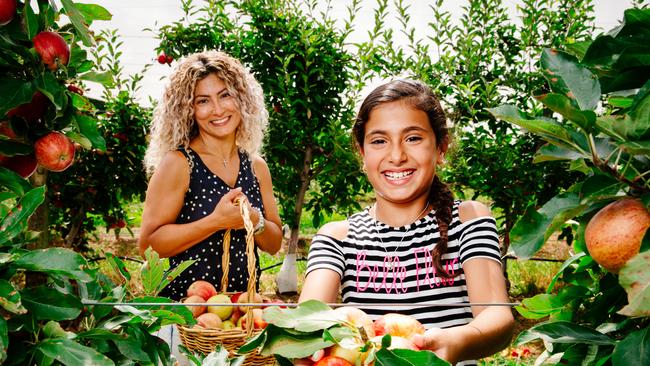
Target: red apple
(23,165)
(209,320)
(7,11)
(258,320)
(332,361)
(75,89)
(52,49)
(54,151)
(196,310)
(169,59)
(398,325)
(33,111)
(162,59)
(396,342)
(236,315)
(234,297)
(201,288)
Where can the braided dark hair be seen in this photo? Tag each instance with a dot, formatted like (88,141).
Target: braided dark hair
(420,97)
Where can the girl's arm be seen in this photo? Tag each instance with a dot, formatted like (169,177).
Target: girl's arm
(491,329)
(270,239)
(164,200)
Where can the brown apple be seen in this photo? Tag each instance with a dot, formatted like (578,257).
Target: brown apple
(397,325)
(244,298)
(54,151)
(201,288)
(196,310)
(614,234)
(52,49)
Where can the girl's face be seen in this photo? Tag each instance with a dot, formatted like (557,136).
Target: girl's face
(400,153)
(216,111)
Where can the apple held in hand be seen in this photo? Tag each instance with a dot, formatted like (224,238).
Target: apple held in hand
(357,318)
(201,288)
(222,311)
(332,361)
(52,49)
(396,342)
(397,325)
(196,310)
(54,151)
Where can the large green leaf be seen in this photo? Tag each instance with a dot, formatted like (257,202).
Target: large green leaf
(30,21)
(634,349)
(285,344)
(14,92)
(78,22)
(309,316)
(550,152)
(540,306)
(635,279)
(46,303)
(71,353)
(93,12)
(57,261)
(15,221)
(563,332)
(566,76)
(535,227)
(88,128)
(600,187)
(169,314)
(105,78)
(10,298)
(52,89)
(636,147)
(640,112)
(14,182)
(407,357)
(563,105)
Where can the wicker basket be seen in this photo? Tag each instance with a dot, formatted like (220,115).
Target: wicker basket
(205,340)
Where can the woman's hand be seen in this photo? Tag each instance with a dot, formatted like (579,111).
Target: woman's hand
(226,214)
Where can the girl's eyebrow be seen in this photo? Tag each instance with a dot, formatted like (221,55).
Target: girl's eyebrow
(405,130)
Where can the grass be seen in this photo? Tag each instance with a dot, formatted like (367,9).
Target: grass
(528,278)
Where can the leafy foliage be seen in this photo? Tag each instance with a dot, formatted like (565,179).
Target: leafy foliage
(590,319)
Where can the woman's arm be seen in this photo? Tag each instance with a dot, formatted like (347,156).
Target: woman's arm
(491,329)
(270,239)
(164,200)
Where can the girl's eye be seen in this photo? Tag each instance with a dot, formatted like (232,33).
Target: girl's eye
(413,138)
(377,141)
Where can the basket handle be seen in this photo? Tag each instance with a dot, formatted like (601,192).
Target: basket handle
(250,253)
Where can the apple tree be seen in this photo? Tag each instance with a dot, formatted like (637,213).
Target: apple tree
(596,305)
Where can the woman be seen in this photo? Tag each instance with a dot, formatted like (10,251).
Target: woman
(415,244)
(204,155)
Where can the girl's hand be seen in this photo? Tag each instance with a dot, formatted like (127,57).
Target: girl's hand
(443,342)
(226,214)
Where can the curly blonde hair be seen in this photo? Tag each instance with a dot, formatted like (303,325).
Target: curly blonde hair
(173,124)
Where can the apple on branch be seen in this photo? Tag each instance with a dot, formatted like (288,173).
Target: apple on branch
(7,11)
(54,151)
(52,49)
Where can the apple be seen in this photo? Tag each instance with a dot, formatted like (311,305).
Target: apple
(234,297)
(318,355)
(228,324)
(75,89)
(236,314)
(162,59)
(33,111)
(397,325)
(7,11)
(349,352)
(201,288)
(332,361)
(396,342)
(614,234)
(357,318)
(258,320)
(196,310)
(52,49)
(223,312)
(23,165)
(169,59)
(54,151)
(209,320)
(244,299)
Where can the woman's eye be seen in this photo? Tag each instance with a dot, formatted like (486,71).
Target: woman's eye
(225,95)
(201,101)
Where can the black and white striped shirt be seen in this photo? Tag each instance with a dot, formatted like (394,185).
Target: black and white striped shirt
(383,264)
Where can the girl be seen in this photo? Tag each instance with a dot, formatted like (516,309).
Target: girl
(415,244)
(204,153)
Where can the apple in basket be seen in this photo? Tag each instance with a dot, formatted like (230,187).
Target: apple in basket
(196,310)
(209,320)
(201,288)
(244,299)
(222,311)
(397,325)
(258,320)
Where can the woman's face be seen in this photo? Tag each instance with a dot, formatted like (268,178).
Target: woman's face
(400,153)
(216,111)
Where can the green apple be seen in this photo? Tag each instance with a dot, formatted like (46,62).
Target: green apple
(222,311)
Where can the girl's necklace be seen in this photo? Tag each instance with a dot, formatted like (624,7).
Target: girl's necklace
(391,257)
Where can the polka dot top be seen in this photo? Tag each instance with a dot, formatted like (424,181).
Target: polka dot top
(204,192)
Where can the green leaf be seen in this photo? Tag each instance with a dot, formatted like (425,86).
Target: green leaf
(78,22)
(81,102)
(13,181)
(532,230)
(407,357)
(634,349)
(620,102)
(58,261)
(45,303)
(600,187)
(609,126)
(4,339)
(71,353)
(153,271)
(566,76)
(640,113)
(88,128)
(171,275)
(565,106)
(52,89)
(279,342)
(577,49)
(92,12)
(105,78)
(10,298)
(634,277)
(12,148)
(169,314)
(564,266)
(540,306)
(550,152)
(14,92)
(309,316)
(30,21)
(15,221)
(563,332)
(636,147)
(53,329)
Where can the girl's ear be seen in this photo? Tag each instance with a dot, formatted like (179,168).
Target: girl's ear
(442,150)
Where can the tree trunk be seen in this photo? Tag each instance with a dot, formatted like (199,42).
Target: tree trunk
(287,279)
(39,222)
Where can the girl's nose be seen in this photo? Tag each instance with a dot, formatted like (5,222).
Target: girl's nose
(397,154)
